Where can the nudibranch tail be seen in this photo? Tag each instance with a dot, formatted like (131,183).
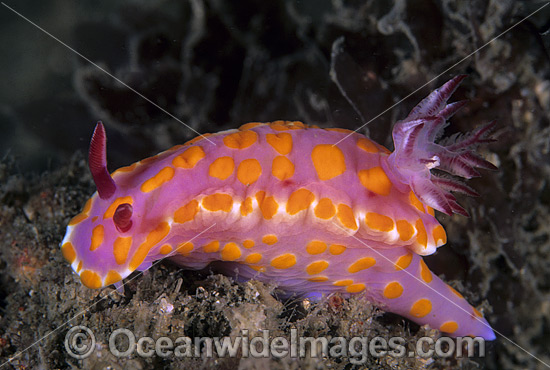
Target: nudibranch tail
(416,151)
(97,161)
(429,300)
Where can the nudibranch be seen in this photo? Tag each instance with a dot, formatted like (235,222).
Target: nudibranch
(315,210)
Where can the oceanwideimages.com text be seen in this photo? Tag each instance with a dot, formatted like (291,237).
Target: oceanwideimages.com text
(80,343)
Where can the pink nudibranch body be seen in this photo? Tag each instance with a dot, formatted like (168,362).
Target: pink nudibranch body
(315,210)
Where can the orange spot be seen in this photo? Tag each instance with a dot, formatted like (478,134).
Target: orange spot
(176,147)
(248,244)
(282,168)
(346,217)
(112,277)
(90,279)
(367,145)
(269,239)
(278,127)
(189,158)
(393,290)
(421,308)
(98,233)
(68,252)
(295,125)
(337,129)
(299,200)
(79,267)
(355,288)
(121,246)
(165,249)
(455,292)
(94,219)
(421,236)
(383,149)
(286,125)
(282,142)
(375,180)
(154,237)
(253,258)
(344,282)
(361,264)
(157,234)
(378,222)
(246,207)
(163,176)
(185,248)
(258,268)
(430,211)
(249,171)
(425,272)
(439,234)
(316,247)
(217,202)
(129,168)
(117,202)
(318,279)
(87,206)
(449,327)
(284,261)
(267,205)
(240,140)
(222,168)
(78,219)
(197,139)
(325,209)
(328,161)
(316,267)
(477,313)
(336,249)
(404,261)
(405,229)
(212,247)
(149,160)
(248,126)
(187,212)
(415,202)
